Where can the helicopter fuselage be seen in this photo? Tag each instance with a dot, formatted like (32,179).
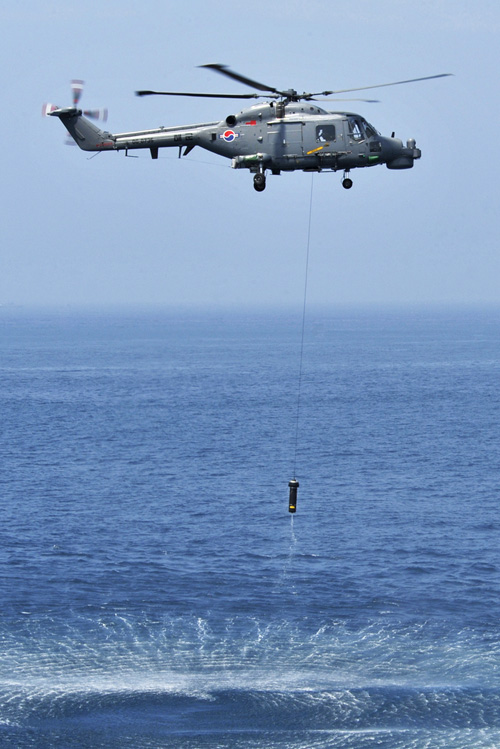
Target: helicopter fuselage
(265,136)
(306,138)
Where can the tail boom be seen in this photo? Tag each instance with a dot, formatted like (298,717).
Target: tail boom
(91,138)
(85,134)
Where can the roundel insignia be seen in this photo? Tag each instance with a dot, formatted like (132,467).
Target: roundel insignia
(229,135)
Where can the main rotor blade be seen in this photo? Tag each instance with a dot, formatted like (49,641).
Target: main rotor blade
(366,101)
(206,96)
(382,85)
(224,70)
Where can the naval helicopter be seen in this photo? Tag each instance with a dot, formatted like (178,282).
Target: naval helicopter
(284,132)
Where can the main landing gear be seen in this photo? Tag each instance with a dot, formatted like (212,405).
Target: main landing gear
(259,181)
(347,181)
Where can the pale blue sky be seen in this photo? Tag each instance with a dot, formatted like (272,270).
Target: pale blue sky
(124,230)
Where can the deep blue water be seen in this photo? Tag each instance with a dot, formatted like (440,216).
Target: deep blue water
(155,591)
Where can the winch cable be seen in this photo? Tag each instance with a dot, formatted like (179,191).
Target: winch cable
(303,328)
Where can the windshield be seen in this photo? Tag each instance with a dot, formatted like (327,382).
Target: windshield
(370,130)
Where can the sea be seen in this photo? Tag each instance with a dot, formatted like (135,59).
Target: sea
(155,591)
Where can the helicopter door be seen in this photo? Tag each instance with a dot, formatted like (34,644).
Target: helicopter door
(293,138)
(286,138)
(322,137)
(357,136)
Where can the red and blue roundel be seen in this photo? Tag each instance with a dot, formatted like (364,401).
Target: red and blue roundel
(229,136)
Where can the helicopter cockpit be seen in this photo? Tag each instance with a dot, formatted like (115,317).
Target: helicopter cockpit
(359,128)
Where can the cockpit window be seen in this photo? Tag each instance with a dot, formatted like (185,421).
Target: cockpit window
(356,129)
(360,129)
(325,133)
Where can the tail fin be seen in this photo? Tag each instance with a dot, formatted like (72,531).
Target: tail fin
(85,134)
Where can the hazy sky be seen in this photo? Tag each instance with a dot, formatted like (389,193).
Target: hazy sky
(132,230)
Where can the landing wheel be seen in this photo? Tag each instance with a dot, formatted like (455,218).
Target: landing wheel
(259,182)
(347,183)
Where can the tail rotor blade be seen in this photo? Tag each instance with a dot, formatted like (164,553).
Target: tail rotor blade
(48,108)
(96,114)
(77,89)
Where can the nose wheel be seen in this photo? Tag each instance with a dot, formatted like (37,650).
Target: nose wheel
(347,181)
(259,181)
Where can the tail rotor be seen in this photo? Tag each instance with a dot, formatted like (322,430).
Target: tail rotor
(94,114)
(77,91)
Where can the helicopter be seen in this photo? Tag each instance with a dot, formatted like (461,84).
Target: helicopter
(285,132)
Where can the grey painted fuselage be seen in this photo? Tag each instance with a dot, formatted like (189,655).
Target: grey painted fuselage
(262,137)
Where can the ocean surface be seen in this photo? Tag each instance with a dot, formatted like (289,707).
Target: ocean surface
(154,589)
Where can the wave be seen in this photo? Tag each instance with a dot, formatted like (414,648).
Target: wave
(111,678)
(200,712)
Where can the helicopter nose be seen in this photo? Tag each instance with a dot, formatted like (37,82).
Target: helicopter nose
(404,156)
